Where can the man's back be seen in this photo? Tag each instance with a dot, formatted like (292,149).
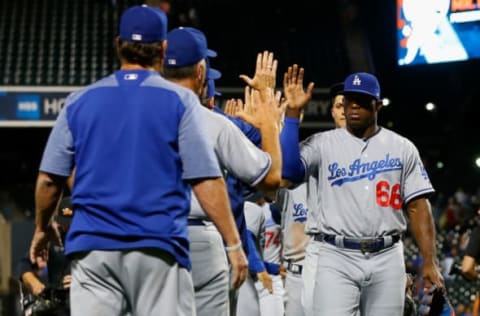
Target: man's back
(127,134)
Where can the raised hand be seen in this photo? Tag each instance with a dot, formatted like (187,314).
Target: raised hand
(265,73)
(230,107)
(259,109)
(294,92)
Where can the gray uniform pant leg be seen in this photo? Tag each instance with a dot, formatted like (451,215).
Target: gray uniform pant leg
(293,290)
(308,275)
(130,282)
(248,303)
(209,271)
(271,304)
(349,282)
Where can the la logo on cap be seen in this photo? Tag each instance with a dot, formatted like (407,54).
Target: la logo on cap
(136,37)
(356,81)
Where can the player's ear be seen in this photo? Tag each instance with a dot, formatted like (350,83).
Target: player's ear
(164,48)
(378,105)
(201,72)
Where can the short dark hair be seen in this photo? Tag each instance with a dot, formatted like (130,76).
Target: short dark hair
(178,73)
(144,54)
(334,91)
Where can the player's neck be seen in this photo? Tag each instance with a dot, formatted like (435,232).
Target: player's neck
(188,83)
(128,66)
(363,132)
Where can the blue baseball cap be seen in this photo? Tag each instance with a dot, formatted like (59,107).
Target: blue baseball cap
(363,83)
(186,46)
(211,92)
(212,75)
(143,24)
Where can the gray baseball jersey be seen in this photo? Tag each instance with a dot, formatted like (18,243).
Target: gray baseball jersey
(255,220)
(363,183)
(273,234)
(293,205)
(236,154)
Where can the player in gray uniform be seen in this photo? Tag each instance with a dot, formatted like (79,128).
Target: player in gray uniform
(186,65)
(272,304)
(364,175)
(299,252)
(293,205)
(311,250)
(250,291)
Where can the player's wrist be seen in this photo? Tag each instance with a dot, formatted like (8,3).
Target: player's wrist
(234,247)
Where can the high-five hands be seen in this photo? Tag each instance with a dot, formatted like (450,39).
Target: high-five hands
(265,73)
(297,97)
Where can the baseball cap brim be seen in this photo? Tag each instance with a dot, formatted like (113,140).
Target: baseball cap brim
(354,91)
(211,53)
(213,74)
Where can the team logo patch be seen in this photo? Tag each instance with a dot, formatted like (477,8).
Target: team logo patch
(423,172)
(358,170)
(299,213)
(137,37)
(131,77)
(356,81)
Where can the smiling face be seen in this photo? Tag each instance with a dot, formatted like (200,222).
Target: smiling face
(361,114)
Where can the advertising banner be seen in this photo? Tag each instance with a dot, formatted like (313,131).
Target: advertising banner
(39,106)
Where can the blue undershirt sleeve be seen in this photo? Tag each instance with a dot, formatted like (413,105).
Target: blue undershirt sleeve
(255,262)
(272,268)
(292,167)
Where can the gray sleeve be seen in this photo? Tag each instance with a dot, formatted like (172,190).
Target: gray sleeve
(58,156)
(196,151)
(240,157)
(310,154)
(416,181)
(254,218)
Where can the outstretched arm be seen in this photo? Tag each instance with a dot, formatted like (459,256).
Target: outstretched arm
(296,98)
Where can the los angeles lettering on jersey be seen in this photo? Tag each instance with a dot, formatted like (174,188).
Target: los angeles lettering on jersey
(299,213)
(359,170)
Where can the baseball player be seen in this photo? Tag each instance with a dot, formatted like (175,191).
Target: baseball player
(258,279)
(261,294)
(272,303)
(264,81)
(186,65)
(364,174)
(264,259)
(139,147)
(299,254)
